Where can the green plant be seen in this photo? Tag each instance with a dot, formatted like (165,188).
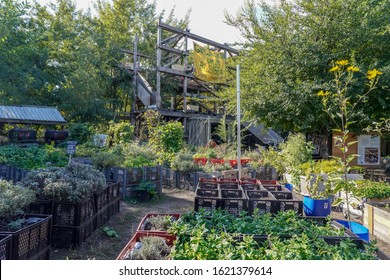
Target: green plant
(160,223)
(147,186)
(110,232)
(120,133)
(13,201)
(291,155)
(80,132)
(339,103)
(370,189)
(150,248)
(184,162)
(73,183)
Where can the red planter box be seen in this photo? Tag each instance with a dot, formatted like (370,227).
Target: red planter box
(217,161)
(123,255)
(200,161)
(143,224)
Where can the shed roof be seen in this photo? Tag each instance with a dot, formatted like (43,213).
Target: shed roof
(30,114)
(267,136)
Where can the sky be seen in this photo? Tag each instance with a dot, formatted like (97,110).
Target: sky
(206,18)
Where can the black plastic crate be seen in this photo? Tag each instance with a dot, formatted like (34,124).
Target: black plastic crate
(256,194)
(207,185)
(73,214)
(235,206)
(186,180)
(133,176)
(100,199)
(30,241)
(294,204)
(282,195)
(232,192)
(72,237)
(212,193)
(5,246)
(264,202)
(206,203)
(252,187)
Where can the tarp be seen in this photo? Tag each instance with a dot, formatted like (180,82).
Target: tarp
(209,65)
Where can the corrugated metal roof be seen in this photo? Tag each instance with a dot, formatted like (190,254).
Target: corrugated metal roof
(269,136)
(30,114)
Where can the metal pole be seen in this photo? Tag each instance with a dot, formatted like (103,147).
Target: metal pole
(238,123)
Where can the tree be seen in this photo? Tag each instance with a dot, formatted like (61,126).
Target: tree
(289,47)
(23,61)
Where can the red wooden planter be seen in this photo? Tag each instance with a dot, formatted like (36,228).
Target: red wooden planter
(217,161)
(200,161)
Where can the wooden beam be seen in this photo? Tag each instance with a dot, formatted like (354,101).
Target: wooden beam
(174,72)
(197,37)
(172,50)
(174,38)
(132,52)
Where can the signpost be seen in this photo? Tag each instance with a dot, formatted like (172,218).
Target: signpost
(71,149)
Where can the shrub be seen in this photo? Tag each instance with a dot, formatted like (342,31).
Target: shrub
(120,133)
(13,201)
(370,189)
(74,183)
(80,132)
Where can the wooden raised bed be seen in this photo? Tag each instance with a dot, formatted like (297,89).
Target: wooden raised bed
(377,221)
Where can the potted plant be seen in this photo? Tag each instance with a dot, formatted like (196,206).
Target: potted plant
(23,227)
(145,191)
(318,200)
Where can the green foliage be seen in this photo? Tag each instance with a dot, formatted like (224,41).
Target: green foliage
(159,222)
(32,157)
(110,232)
(147,186)
(218,235)
(14,200)
(286,51)
(80,132)
(151,248)
(184,162)
(120,133)
(325,166)
(291,154)
(339,101)
(73,183)
(371,189)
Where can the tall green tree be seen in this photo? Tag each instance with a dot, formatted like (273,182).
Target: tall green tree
(76,68)
(288,49)
(22,60)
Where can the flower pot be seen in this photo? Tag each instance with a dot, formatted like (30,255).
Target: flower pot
(357,229)
(289,186)
(200,161)
(317,207)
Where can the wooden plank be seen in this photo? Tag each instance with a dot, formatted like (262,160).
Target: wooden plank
(370,218)
(197,37)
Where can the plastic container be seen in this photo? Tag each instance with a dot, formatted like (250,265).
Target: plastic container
(357,229)
(317,207)
(289,186)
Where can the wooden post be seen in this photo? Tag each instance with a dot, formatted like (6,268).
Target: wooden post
(135,73)
(370,218)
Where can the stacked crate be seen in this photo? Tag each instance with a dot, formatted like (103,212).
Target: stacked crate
(249,195)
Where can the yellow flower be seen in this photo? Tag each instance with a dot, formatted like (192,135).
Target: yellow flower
(371,74)
(353,69)
(334,68)
(322,93)
(342,62)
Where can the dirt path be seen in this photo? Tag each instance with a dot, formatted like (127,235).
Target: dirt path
(102,247)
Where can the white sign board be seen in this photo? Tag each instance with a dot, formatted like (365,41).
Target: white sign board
(369,150)
(71,149)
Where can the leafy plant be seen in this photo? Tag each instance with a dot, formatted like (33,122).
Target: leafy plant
(370,189)
(339,103)
(80,132)
(147,186)
(13,201)
(159,222)
(110,232)
(120,133)
(184,162)
(150,248)
(73,183)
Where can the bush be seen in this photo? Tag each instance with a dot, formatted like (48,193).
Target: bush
(13,201)
(74,183)
(80,132)
(370,189)
(120,133)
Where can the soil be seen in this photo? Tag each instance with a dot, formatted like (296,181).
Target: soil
(102,247)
